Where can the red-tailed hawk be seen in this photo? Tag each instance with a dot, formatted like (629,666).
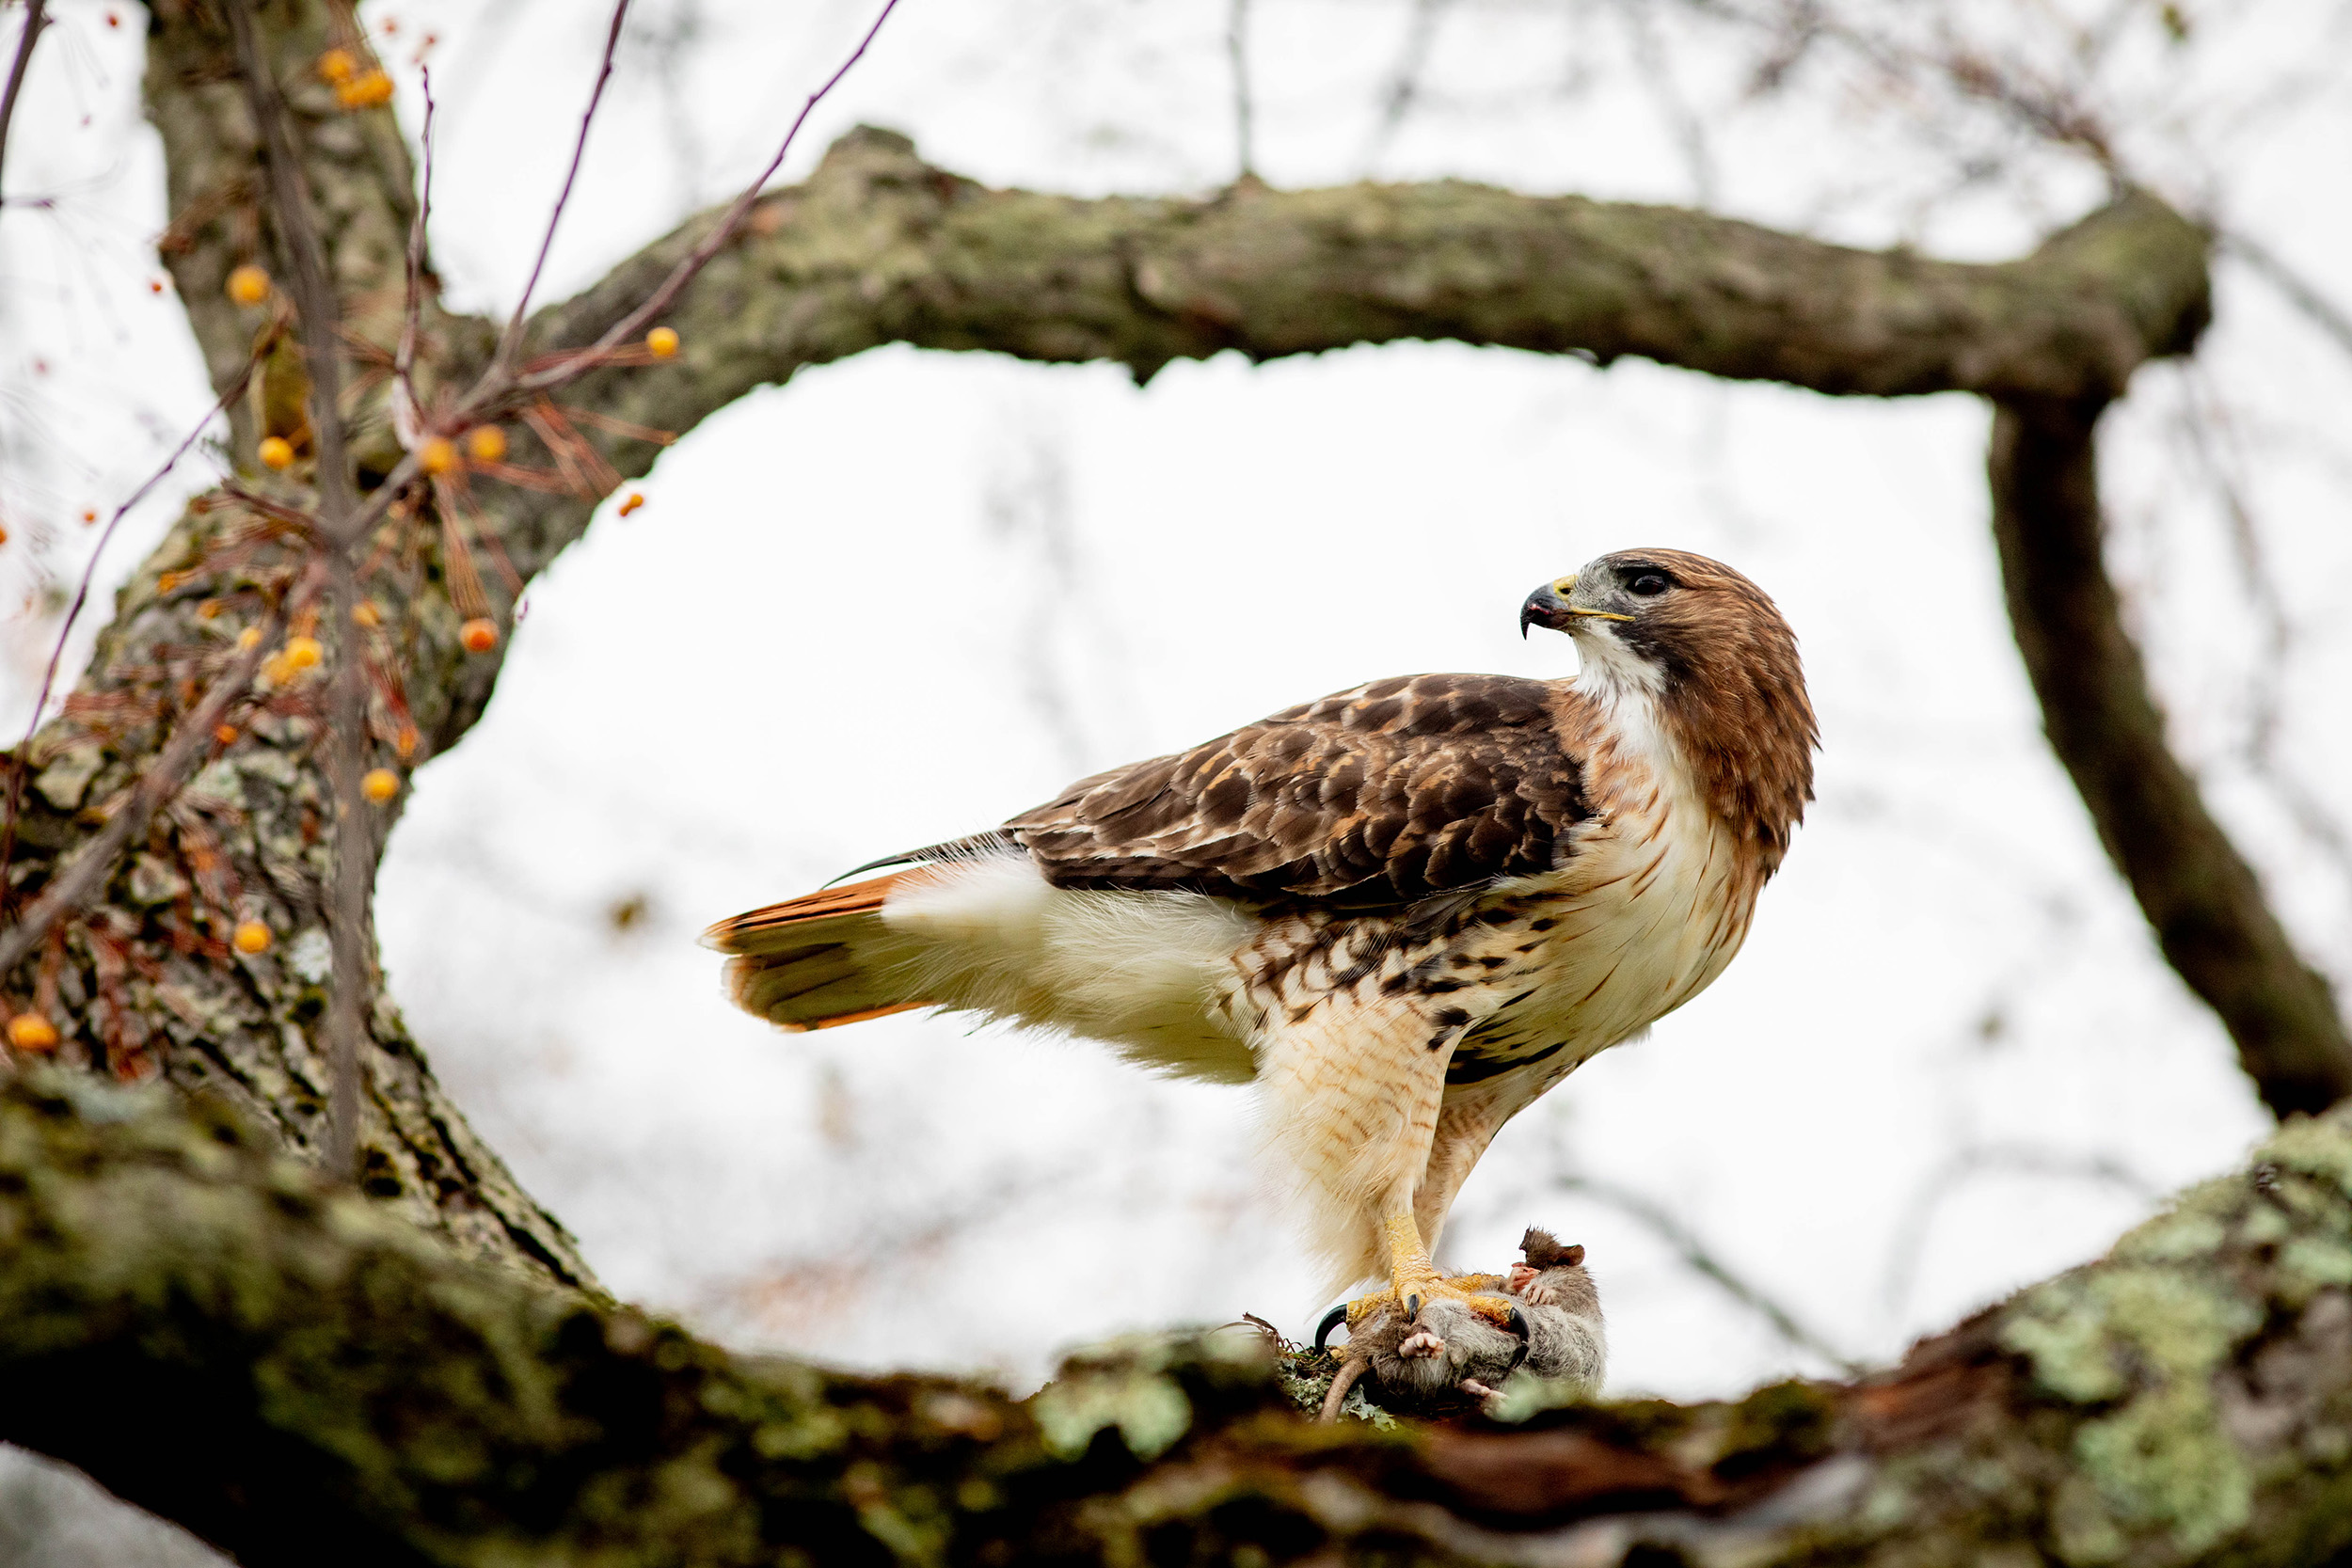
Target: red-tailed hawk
(1402,911)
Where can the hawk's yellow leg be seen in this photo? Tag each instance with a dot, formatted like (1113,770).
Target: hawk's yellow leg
(1415,1281)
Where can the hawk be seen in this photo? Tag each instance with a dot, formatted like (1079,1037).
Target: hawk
(1402,911)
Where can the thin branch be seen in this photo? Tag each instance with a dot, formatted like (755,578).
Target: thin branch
(65,631)
(636,321)
(313,293)
(1237,58)
(1903,1267)
(1696,1256)
(405,407)
(1404,88)
(346,731)
(2324,313)
(498,387)
(188,745)
(36,17)
(354,882)
(512,341)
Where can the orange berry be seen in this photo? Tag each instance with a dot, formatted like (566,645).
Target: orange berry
(438,456)
(485,443)
(154,285)
(276,670)
(661,342)
(249,636)
(248,285)
(366,90)
(277,452)
(380,785)
(337,65)
(251,936)
(480,635)
(631,502)
(32,1032)
(365,614)
(225,733)
(3,535)
(303,653)
(406,742)
(90,516)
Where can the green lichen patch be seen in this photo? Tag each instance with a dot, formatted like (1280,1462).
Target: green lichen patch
(2060,1331)
(2319,1146)
(1780,1423)
(1148,1408)
(2148,1338)
(2165,1461)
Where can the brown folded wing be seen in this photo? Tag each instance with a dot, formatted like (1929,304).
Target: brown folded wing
(1379,796)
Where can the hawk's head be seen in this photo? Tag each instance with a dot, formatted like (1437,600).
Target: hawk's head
(1711,649)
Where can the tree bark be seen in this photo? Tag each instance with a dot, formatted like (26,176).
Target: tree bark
(215,1333)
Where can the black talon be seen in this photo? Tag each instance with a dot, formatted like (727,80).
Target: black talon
(1332,1319)
(1412,1307)
(1516,1322)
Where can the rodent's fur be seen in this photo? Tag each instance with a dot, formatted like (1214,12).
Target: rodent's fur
(1452,1351)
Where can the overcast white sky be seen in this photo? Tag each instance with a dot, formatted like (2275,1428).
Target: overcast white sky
(912,594)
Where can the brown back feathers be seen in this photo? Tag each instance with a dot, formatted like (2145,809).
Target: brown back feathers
(1374,797)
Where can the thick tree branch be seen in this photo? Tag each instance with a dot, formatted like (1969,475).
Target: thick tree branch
(216,1335)
(880,246)
(2197,891)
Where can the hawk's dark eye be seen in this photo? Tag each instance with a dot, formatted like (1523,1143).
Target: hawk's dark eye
(1648,585)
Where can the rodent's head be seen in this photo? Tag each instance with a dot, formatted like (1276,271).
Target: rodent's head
(1544,1251)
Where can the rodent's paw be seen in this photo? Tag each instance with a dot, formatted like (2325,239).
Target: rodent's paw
(1538,1293)
(1422,1343)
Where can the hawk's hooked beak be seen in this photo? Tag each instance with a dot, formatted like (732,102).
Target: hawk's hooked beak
(1548,608)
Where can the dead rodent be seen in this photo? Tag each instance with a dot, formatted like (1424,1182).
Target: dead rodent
(1453,1357)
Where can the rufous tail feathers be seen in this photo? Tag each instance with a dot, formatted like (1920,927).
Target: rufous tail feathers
(821,959)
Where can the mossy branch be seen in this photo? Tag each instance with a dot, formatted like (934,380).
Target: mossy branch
(217,1336)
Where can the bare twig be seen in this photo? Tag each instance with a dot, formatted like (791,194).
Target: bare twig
(1237,58)
(36,17)
(1903,1267)
(1699,1259)
(2324,313)
(355,862)
(405,407)
(313,293)
(65,630)
(341,528)
(1403,89)
(498,387)
(685,272)
(511,342)
(189,744)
